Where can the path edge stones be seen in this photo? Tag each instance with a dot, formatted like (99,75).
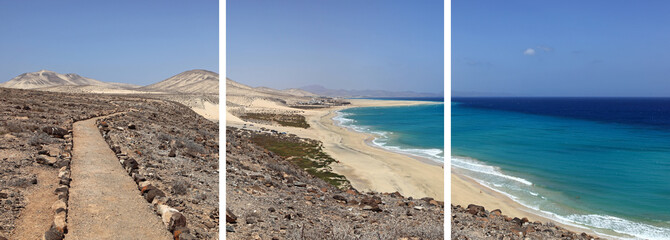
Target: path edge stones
(174,221)
(58,227)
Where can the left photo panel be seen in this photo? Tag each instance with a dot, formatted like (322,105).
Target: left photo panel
(109,120)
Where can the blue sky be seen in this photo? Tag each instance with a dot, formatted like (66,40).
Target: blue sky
(138,42)
(343,44)
(561,48)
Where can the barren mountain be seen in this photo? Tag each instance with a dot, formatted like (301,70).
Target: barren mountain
(193,81)
(45,78)
(234,88)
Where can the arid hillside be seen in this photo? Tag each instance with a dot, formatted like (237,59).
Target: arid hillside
(36,132)
(192,81)
(272,196)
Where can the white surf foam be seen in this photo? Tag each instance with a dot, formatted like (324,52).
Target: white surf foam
(625,229)
(472,165)
(381,140)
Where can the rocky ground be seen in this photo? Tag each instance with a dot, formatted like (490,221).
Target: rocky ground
(177,151)
(269,197)
(475,222)
(35,141)
(34,127)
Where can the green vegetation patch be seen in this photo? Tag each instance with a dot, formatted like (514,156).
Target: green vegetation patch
(305,153)
(288,120)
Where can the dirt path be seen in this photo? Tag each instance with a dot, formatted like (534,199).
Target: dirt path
(104,201)
(37,216)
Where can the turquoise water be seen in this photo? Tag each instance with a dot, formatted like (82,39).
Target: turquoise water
(415,130)
(613,178)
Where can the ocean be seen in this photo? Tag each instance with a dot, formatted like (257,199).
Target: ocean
(415,130)
(600,163)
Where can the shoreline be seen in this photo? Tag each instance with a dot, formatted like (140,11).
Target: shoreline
(369,142)
(465,190)
(368,168)
(418,175)
(371,137)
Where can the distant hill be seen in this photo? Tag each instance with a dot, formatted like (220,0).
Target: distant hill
(299,92)
(236,88)
(45,78)
(193,81)
(322,91)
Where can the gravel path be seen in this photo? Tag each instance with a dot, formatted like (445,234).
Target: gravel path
(104,201)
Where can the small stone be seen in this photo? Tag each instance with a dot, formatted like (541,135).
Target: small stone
(340,198)
(65,181)
(210,224)
(299,184)
(46,160)
(55,131)
(496,212)
(179,231)
(53,234)
(59,222)
(144,184)
(230,217)
(153,193)
(475,209)
(374,208)
(186,236)
(59,206)
(173,220)
(396,194)
(230,228)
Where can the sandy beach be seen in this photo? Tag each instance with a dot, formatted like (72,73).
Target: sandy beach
(366,167)
(465,191)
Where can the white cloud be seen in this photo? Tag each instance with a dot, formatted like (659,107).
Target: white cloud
(545,48)
(529,52)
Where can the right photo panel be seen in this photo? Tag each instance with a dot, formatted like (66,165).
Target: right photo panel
(560,120)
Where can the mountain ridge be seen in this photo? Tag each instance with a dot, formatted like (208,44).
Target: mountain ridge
(191,81)
(45,78)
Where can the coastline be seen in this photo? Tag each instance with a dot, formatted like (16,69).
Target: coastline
(368,168)
(465,191)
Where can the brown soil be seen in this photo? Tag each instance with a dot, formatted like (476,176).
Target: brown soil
(104,201)
(36,217)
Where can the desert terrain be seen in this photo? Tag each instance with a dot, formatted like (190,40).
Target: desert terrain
(83,164)
(293,174)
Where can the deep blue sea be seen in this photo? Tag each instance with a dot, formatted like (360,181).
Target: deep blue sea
(415,130)
(601,163)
